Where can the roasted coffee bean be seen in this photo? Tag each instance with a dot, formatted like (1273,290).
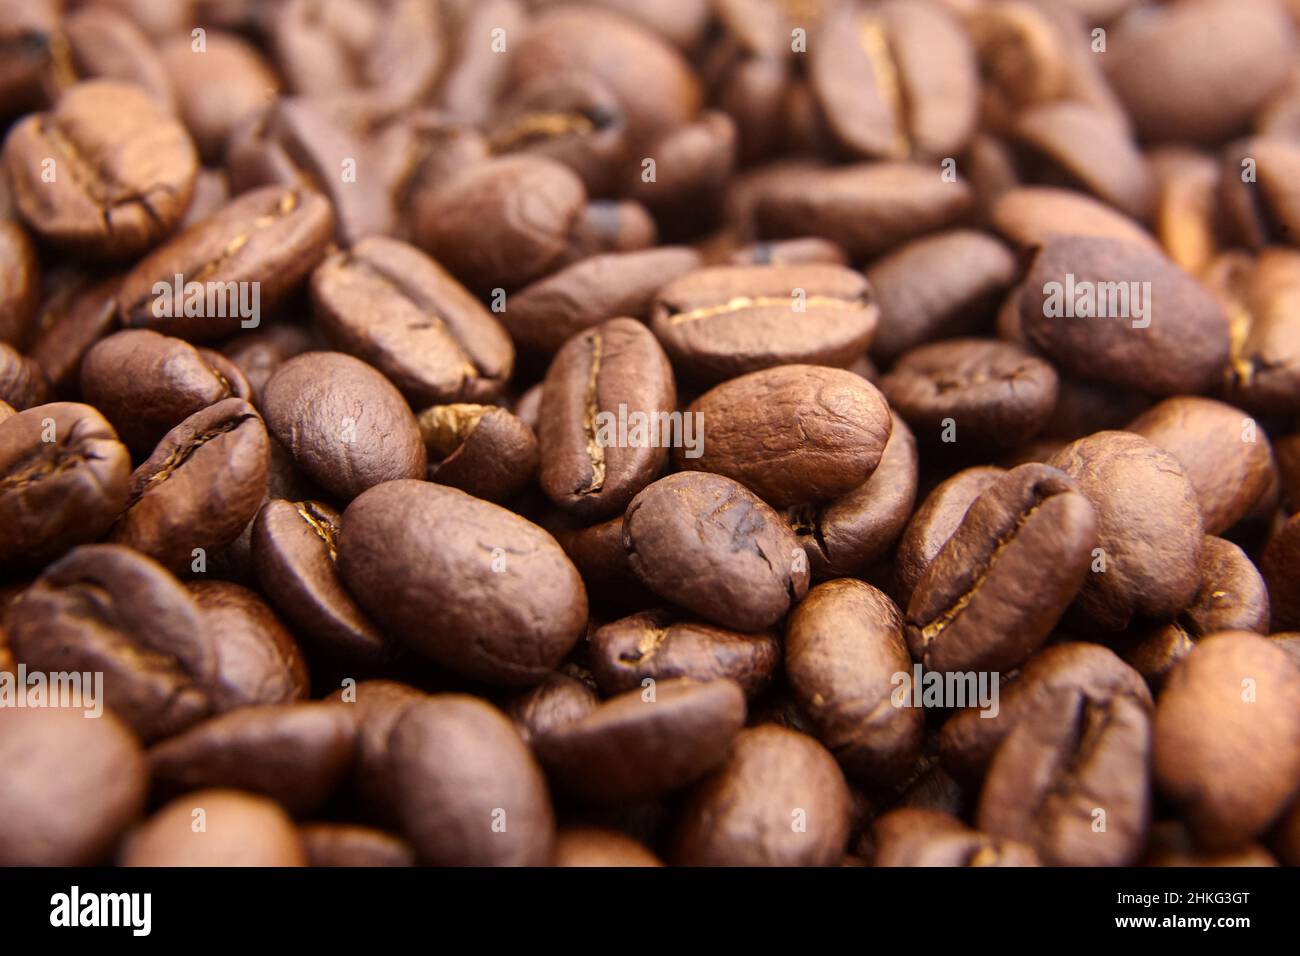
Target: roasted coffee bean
(1028,216)
(1149,531)
(1286,453)
(469,793)
(1224,452)
(105,44)
(259,354)
(74,317)
(108,609)
(792,434)
(375,706)
(1113,312)
(146,384)
(1232,597)
(347,844)
(606,399)
(26,31)
(76,785)
(544,315)
(779,800)
(912,837)
(558,700)
(1264,367)
(296,755)
(992,393)
(934,522)
(1171,845)
(866,209)
(64,478)
(1233,702)
(660,645)
(22,383)
(1066,766)
(937,287)
(481,449)
(595,846)
(844,537)
(972,736)
(844,650)
(413,551)
(606,225)
(694,161)
(1280,565)
(724,321)
(974,607)
(346,426)
(106,173)
(200,487)
(217,82)
(1256,200)
(895,79)
(1185,215)
(387,303)
(1198,71)
(295,546)
(501,223)
(651,80)
(221,275)
(597,552)
(706,543)
(646,742)
(20,284)
(240,829)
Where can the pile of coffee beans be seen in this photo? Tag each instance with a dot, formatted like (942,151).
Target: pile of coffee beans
(620,433)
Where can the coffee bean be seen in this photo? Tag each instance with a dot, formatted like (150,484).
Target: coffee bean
(468,791)
(64,478)
(259,354)
(1198,71)
(937,287)
(1232,703)
(389,304)
(1279,566)
(991,393)
(1264,366)
(910,837)
(501,223)
(147,384)
(1225,454)
(779,800)
(1148,528)
(644,743)
(238,262)
(481,449)
(347,844)
(73,318)
(706,543)
(558,700)
(106,173)
(1232,597)
(614,372)
(867,209)
(222,62)
(105,44)
(793,433)
(82,783)
(1171,845)
(724,321)
(594,846)
(412,551)
(346,426)
(844,646)
(106,608)
(934,522)
(1169,337)
(660,645)
(1090,672)
(544,315)
(26,31)
(974,608)
(597,552)
(896,79)
(239,829)
(296,755)
(375,706)
(200,487)
(1028,216)
(1071,781)
(1185,215)
(22,383)
(846,536)
(20,284)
